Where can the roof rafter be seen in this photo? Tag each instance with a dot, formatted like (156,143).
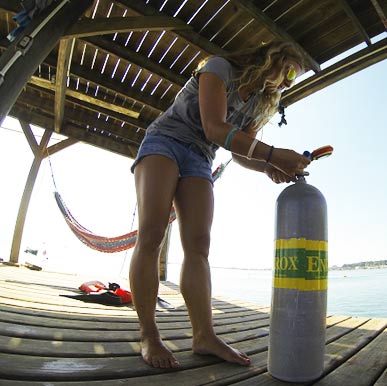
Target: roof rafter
(340,70)
(78,118)
(136,58)
(355,21)
(105,26)
(75,132)
(73,97)
(192,37)
(275,30)
(64,58)
(79,71)
(380,12)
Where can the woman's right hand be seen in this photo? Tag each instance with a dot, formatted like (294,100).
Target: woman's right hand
(289,162)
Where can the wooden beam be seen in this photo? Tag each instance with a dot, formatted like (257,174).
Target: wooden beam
(29,49)
(83,118)
(340,70)
(23,208)
(163,256)
(123,90)
(135,123)
(380,13)
(95,139)
(260,16)
(105,81)
(192,37)
(355,21)
(64,144)
(135,58)
(106,26)
(46,87)
(46,84)
(64,58)
(74,132)
(30,137)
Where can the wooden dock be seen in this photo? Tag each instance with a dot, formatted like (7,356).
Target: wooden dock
(47,339)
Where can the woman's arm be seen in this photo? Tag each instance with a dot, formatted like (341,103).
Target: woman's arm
(213,113)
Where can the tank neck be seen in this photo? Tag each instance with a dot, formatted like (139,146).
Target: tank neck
(300,180)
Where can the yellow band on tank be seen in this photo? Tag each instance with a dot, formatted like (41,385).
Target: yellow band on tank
(301,284)
(301,264)
(301,243)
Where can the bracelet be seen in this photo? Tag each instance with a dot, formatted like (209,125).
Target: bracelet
(270,154)
(251,149)
(230,135)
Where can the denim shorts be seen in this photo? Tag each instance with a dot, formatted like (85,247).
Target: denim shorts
(188,157)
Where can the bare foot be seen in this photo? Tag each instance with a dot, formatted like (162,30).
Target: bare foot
(215,346)
(156,354)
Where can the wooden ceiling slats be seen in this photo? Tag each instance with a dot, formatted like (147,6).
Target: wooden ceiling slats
(104,26)
(326,43)
(129,56)
(132,57)
(343,68)
(382,14)
(191,37)
(279,10)
(78,117)
(355,21)
(278,32)
(44,93)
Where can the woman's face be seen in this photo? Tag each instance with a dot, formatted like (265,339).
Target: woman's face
(283,76)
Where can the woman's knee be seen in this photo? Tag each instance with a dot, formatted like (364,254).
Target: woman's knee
(198,245)
(151,238)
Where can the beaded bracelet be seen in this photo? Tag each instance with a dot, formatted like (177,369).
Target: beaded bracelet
(230,135)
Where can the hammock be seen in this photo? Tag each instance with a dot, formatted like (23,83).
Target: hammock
(110,244)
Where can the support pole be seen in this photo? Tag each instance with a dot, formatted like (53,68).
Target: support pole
(163,257)
(39,155)
(19,62)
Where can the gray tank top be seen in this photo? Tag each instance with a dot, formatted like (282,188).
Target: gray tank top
(182,119)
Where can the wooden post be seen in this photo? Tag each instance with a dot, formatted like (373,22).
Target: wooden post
(27,52)
(39,154)
(163,257)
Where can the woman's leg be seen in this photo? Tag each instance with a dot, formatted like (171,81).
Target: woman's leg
(156,179)
(194,206)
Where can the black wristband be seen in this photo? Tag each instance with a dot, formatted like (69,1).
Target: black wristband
(270,154)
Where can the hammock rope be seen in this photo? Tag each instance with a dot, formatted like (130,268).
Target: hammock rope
(110,244)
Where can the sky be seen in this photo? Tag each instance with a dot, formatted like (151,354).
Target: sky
(98,187)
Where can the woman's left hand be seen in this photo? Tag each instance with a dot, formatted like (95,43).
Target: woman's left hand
(277,176)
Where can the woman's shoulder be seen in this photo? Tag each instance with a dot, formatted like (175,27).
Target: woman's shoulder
(219,66)
(218,61)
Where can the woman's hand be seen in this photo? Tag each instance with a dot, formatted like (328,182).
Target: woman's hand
(288,162)
(276,175)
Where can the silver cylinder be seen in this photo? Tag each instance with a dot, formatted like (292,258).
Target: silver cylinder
(299,297)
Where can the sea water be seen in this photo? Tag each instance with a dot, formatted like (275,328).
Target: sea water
(350,292)
(359,292)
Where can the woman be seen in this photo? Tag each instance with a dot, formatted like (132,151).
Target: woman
(225,103)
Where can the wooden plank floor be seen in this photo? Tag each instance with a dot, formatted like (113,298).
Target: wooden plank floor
(47,339)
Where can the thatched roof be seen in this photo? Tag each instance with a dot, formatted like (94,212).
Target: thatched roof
(129,58)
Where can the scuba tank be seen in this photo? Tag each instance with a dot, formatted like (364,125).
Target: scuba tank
(299,294)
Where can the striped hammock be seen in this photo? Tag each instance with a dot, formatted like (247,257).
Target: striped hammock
(110,244)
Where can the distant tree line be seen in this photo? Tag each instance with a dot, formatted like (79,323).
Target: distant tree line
(364,264)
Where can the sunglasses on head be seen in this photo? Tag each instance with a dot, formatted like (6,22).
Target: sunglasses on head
(291,73)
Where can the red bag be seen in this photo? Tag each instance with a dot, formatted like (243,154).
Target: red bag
(92,286)
(126,296)
(95,286)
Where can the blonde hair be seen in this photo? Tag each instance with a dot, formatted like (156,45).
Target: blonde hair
(254,65)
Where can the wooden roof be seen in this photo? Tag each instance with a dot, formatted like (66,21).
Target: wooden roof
(128,59)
